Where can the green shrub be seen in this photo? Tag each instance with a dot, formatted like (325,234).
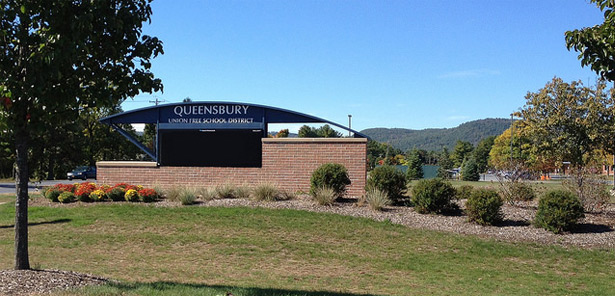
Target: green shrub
(512,192)
(187,197)
(266,192)
(484,207)
(389,180)
(131,195)
(324,196)
(116,193)
(558,211)
(524,192)
(377,199)
(433,196)
(464,192)
(52,194)
(331,175)
(66,197)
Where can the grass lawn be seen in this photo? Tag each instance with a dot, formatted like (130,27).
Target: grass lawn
(209,251)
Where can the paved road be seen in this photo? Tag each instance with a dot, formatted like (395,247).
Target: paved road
(34,187)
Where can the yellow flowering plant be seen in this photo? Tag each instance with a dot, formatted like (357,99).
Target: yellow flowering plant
(131,195)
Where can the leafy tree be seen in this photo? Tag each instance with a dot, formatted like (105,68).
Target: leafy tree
(282,133)
(307,132)
(445,164)
(462,151)
(481,153)
(564,121)
(59,57)
(415,166)
(500,156)
(324,131)
(595,44)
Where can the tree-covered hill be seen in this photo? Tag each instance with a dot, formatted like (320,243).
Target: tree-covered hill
(436,138)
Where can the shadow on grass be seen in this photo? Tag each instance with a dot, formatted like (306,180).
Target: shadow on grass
(173,288)
(57,221)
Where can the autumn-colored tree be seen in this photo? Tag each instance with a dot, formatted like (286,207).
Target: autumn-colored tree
(564,121)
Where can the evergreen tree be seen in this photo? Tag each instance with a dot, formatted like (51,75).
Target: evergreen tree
(445,164)
(415,166)
(470,172)
(481,153)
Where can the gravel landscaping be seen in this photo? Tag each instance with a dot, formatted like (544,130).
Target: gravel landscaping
(38,282)
(594,231)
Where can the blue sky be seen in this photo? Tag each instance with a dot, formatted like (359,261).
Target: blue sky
(407,64)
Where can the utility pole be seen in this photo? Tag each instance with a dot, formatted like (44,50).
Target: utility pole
(349,124)
(512,132)
(157,101)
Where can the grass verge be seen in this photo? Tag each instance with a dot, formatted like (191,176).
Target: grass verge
(208,251)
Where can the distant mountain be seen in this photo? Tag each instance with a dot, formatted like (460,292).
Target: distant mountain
(436,138)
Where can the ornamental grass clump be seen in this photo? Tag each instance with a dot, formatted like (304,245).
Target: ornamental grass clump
(433,196)
(173,193)
(333,176)
(390,180)
(377,199)
(205,193)
(226,191)
(324,196)
(558,211)
(484,206)
(187,196)
(66,197)
(266,192)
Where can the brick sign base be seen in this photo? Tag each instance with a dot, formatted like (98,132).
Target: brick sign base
(287,163)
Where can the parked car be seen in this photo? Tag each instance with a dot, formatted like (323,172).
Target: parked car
(82,172)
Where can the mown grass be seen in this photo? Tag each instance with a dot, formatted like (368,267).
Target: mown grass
(210,251)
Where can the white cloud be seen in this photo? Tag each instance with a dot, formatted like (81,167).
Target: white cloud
(469,73)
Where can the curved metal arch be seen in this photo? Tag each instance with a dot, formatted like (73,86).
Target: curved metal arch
(154,114)
(271,115)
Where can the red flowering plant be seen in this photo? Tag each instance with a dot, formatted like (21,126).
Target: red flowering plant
(84,190)
(125,186)
(116,193)
(148,195)
(53,192)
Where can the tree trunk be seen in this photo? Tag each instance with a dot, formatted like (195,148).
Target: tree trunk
(21,205)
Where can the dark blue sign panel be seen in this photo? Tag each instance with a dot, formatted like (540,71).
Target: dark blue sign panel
(211,116)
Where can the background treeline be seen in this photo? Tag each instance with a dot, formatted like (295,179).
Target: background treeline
(471,159)
(436,139)
(67,143)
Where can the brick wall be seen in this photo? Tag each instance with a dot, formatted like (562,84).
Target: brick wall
(287,163)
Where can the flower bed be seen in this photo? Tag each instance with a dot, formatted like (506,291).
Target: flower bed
(91,192)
